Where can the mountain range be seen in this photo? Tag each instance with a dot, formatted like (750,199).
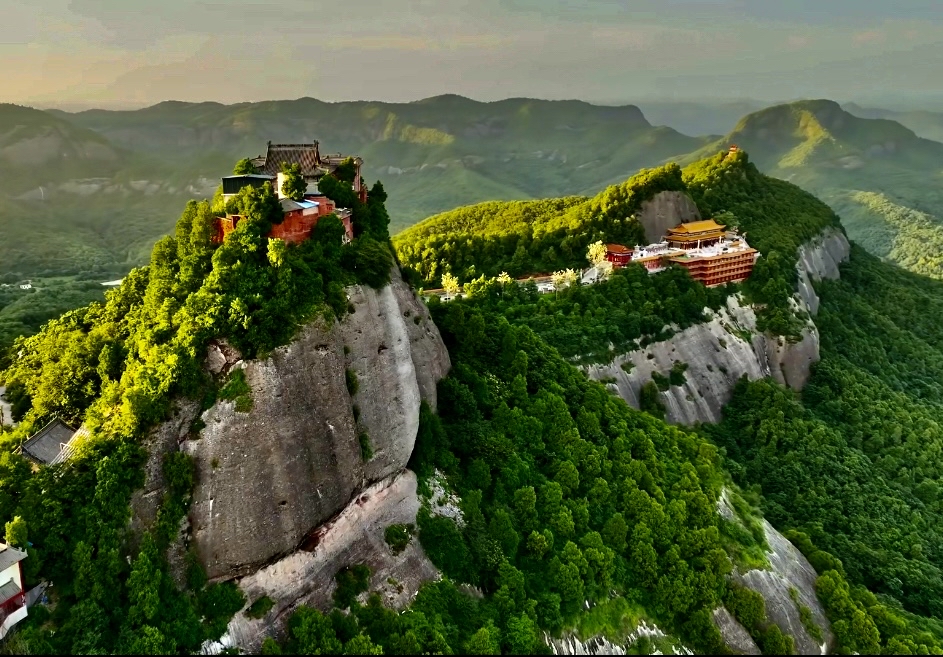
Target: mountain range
(881,177)
(108,184)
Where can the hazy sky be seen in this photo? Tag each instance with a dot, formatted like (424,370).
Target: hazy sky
(137,52)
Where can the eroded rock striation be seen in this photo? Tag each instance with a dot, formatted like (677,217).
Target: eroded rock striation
(268,477)
(820,259)
(728,346)
(786,586)
(666,210)
(356,535)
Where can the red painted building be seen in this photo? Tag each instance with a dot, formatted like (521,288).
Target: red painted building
(12,593)
(299,220)
(618,255)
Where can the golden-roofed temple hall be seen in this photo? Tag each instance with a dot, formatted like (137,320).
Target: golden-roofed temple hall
(711,254)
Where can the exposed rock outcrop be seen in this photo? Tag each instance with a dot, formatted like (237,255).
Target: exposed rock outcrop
(717,352)
(356,535)
(161,440)
(734,634)
(570,644)
(820,259)
(6,412)
(663,211)
(788,571)
(728,346)
(395,350)
(268,477)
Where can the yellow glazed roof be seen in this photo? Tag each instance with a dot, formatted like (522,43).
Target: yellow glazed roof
(697,227)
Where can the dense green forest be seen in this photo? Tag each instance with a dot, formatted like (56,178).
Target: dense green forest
(594,323)
(534,237)
(852,467)
(116,367)
(22,312)
(567,494)
(862,446)
(854,463)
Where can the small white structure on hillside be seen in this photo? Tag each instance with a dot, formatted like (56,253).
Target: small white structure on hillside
(12,594)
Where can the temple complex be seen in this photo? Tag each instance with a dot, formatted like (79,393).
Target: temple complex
(300,217)
(695,234)
(313,165)
(712,255)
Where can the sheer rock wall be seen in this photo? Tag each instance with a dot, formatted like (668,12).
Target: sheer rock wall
(727,346)
(267,478)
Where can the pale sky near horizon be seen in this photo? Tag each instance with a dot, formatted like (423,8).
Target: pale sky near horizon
(134,53)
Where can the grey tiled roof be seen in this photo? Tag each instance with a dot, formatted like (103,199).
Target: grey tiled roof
(9,556)
(305,155)
(8,590)
(44,446)
(67,451)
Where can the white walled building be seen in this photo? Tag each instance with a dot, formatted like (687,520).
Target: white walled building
(12,593)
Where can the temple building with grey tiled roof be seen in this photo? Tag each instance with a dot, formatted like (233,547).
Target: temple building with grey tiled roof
(51,444)
(313,165)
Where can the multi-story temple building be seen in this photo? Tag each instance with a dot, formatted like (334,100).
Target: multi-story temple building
(300,216)
(712,255)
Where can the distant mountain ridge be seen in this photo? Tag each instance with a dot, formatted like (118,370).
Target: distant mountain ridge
(926,124)
(460,150)
(32,140)
(881,177)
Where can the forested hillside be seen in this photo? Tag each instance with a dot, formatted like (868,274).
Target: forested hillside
(544,236)
(116,368)
(850,469)
(529,237)
(881,177)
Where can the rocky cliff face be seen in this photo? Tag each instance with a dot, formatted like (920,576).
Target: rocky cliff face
(717,352)
(820,259)
(269,476)
(356,535)
(787,584)
(666,210)
(728,346)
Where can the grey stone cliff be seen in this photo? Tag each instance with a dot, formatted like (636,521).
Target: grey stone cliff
(734,634)
(356,535)
(267,478)
(820,259)
(728,346)
(788,569)
(666,210)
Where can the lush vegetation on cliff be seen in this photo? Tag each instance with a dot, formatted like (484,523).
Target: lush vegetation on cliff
(594,323)
(544,236)
(116,368)
(529,237)
(862,448)
(23,312)
(567,493)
